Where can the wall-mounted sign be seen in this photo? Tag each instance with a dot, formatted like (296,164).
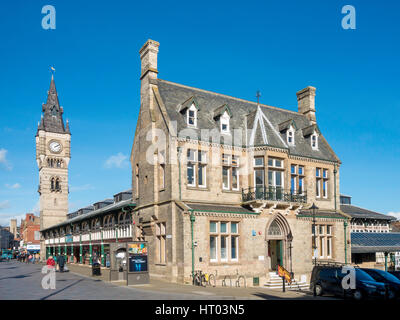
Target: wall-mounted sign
(137,248)
(137,262)
(33,247)
(68,238)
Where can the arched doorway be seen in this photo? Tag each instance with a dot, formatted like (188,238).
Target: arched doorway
(278,239)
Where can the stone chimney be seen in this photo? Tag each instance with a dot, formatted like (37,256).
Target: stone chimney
(148,57)
(306,103)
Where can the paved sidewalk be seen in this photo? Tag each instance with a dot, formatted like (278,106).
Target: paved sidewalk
(22,281)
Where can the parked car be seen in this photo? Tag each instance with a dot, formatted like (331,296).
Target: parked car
(390,280)
(395,273)
(327,279)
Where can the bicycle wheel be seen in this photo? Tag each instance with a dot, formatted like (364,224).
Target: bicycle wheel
(196,280)
(211,280)
(203,282)
(241,282)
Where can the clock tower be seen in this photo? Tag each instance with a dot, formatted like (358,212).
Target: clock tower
(53,152)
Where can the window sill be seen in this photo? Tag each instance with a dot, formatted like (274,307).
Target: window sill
(222,263)
(322,199)
(232,191)
(161,264)
(197,188)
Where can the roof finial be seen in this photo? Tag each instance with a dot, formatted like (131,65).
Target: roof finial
(258,95)
(52,70)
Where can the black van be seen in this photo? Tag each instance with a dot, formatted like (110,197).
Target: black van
(325,279)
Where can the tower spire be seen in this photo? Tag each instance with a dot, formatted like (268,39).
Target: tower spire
(52,111)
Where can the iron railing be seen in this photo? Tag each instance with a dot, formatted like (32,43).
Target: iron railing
(270,193)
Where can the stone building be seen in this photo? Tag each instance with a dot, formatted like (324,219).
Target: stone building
(219,184)
(223,185)
(6,238)
(52,156)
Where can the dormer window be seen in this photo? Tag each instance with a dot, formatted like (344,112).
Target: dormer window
(290,136)
(192,116)
(225,123)
(314,141)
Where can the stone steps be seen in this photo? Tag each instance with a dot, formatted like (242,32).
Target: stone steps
(275,282)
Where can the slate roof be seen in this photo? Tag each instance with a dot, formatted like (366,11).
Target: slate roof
(357,212)
(322,214)
(246,115)
(52,120)
(205,207)
(93,213)
(368,242)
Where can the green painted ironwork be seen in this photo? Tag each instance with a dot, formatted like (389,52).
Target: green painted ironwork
(80,248)
(102,247)
(192,220)
(270,193)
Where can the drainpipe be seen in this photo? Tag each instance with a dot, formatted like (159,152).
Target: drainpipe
(192,220)
(334,181)
(179,164)
(345,241)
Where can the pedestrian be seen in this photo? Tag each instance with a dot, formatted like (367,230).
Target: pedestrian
(61,261)
(50,262)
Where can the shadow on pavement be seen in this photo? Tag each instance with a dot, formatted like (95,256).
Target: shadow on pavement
(21,276)
(57,292)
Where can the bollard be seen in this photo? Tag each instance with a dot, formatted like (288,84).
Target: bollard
(283,281)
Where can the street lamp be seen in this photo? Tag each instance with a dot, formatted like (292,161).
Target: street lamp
(290,239)
(314,208)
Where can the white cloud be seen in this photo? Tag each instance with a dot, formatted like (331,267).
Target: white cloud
(395,214)
(6,217)
(3,159)
(13,186)
(117,161)
(4,204)
(81,188)
(36,209)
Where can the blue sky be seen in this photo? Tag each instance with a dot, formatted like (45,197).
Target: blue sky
(235,48)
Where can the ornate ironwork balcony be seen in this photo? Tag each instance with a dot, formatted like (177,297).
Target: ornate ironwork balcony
(269,193)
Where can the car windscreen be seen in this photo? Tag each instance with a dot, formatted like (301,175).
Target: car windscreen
(362,275)
(388,276)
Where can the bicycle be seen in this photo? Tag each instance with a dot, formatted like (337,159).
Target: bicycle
(225,279)
(203,279)
(198,278)
(241,280)
(212,279)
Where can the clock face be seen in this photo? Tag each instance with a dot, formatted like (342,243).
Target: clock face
(55,146)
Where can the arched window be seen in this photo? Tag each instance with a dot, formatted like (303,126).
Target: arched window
(274,229)
(128,218)
(58,185)
(52,184)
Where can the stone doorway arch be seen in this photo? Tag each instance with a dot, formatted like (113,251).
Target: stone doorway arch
(278,237)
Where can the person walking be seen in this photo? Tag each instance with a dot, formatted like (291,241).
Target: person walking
(50,263)
(61,262)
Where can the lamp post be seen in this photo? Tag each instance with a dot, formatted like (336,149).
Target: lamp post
(290,239)
(314,208)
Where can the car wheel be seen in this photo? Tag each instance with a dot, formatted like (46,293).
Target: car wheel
(318,290)
(391,295)
(357,295)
